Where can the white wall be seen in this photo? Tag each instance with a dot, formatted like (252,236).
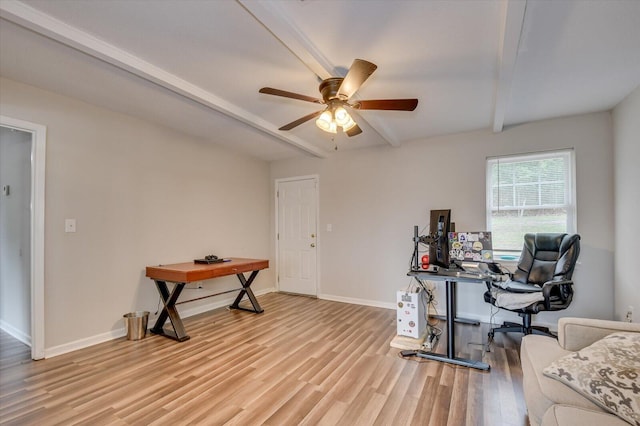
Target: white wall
(142,195)
(373,197)
(15,242)
(626,131)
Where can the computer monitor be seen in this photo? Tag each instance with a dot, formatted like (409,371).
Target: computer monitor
(439,228)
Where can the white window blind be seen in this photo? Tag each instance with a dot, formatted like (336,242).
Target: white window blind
(529,193)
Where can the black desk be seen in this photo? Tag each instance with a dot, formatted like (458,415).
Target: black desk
(182,273)
(451,278)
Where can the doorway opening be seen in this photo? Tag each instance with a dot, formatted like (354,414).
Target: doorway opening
(22,218)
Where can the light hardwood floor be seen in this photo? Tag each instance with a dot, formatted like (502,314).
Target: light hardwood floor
(303,361)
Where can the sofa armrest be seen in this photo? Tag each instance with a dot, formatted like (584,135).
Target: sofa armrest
(577,333)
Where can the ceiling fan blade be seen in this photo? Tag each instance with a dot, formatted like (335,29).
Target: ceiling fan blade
(301,120)
(387,104)
(285,94)
(355,130)
(358,73)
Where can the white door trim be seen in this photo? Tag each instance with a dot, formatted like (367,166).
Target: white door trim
(38,152)
(316,179)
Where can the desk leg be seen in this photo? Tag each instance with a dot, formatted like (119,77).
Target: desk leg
(450,357)
(246,289)
(457,319)
(169,311)
(451,315)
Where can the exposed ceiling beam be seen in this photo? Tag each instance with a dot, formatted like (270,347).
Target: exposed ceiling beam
(275,19)
(273,16)
(41,23)
(511,32)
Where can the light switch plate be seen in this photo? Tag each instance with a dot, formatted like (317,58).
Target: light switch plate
(69,225)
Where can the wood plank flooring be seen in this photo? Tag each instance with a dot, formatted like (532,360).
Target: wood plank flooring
(303,361)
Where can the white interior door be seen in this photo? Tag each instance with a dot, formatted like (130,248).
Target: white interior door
(297,235)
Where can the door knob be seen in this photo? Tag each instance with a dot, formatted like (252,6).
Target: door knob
(313,245)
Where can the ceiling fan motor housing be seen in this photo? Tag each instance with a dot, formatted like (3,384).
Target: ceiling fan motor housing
(329,88)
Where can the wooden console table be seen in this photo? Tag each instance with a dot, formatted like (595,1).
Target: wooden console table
(183,273)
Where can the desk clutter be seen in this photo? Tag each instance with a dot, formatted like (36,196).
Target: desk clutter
(209,259)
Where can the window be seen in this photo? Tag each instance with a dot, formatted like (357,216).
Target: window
(529,193)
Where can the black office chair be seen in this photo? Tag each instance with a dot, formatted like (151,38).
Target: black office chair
(544,273)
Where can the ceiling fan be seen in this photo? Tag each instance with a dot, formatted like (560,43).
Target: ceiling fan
(336,93)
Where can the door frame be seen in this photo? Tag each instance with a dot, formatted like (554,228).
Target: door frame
(316,179)
(37,197)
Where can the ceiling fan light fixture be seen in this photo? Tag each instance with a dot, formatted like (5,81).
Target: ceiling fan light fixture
(342,116)
(349,126)
(326,123)
(345,120)
(331,118)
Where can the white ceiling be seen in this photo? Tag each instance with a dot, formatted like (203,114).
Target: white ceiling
(196,65)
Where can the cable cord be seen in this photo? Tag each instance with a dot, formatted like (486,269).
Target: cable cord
(428,300)
(492,315)
(504,268)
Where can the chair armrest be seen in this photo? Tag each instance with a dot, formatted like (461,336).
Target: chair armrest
(550,285)
(577,333)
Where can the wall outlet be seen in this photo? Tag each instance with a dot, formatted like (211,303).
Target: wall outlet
(629,317)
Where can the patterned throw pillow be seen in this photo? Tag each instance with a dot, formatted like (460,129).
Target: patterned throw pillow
(607,373)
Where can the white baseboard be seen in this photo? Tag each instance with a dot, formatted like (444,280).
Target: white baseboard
(498,319)
(121,332)
(15,333)
(83,343)
(353,301)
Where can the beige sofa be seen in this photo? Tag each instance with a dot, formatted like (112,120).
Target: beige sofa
(551,402)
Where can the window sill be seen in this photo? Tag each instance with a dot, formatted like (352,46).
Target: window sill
(508,260)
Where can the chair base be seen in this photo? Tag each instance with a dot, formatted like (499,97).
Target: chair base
(524,328)
(512,327)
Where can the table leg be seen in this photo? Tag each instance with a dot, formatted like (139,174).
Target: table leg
(169,311)
(450,357)
(246,289)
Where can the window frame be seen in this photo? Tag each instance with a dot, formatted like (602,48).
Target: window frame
(569,178)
